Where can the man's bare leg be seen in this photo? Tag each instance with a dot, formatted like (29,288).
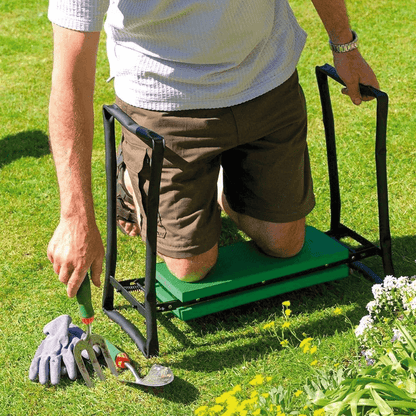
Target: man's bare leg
(133,230)
(189,269)
(192,269)
(275,239)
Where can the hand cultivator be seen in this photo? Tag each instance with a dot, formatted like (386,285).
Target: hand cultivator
(87,315)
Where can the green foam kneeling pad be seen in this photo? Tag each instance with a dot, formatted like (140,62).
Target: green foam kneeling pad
(243,264)
(228,301)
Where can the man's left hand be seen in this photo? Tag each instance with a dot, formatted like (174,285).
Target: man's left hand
(354,70)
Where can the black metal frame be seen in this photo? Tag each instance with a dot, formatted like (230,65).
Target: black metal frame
(338,230)
(149,345)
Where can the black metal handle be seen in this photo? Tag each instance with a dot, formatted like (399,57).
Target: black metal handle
(147,136)
(364,89)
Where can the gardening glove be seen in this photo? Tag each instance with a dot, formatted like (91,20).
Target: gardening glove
(57,347)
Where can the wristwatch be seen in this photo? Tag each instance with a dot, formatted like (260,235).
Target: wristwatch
(346,47)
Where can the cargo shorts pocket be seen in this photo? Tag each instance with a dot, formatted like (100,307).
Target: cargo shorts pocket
(137,159)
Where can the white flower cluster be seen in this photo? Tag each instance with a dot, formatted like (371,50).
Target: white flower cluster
(365,324)
(393,295)
(398,293)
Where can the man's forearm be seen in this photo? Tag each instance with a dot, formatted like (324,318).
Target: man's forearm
(71,121)
(71,130)
(333,14)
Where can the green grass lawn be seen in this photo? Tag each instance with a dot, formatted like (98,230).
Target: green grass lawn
(210,354)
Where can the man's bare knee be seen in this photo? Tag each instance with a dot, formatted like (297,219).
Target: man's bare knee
(283,240)
(192,269)
(284,249)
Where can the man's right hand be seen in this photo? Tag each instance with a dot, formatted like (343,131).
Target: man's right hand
(74,249)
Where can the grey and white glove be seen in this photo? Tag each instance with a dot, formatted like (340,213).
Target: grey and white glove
(57,347)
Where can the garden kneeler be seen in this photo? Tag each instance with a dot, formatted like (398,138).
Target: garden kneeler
(243,274)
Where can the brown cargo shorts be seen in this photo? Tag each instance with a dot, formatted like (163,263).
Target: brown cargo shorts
(261,145)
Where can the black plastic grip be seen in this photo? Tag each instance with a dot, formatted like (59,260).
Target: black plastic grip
(147,136)
(365,90)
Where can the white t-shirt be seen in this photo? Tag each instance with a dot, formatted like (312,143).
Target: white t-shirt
(171,55)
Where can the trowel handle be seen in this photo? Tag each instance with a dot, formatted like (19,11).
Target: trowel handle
(84,301)
(120,358)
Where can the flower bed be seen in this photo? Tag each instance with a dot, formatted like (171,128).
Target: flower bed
(379,381)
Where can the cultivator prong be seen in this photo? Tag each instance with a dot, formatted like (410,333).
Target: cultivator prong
(86,346)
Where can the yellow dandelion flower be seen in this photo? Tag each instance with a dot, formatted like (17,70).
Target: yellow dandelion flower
(268,378)
(305,341)
(254,394)
(336,365)
(232,402)
(284,343)
(247,404)
(288,312)
(313,349)
(319,412)
(302,414)
(298,393)
(257,380)
(286,303)
(236,389)
(265,395)
(241,406)
(215,409)
(314,362)
(269,325)
(222,398)
(201,411)
(306,348)
(243,412)
(256,412)
(286,324)
(337,311)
